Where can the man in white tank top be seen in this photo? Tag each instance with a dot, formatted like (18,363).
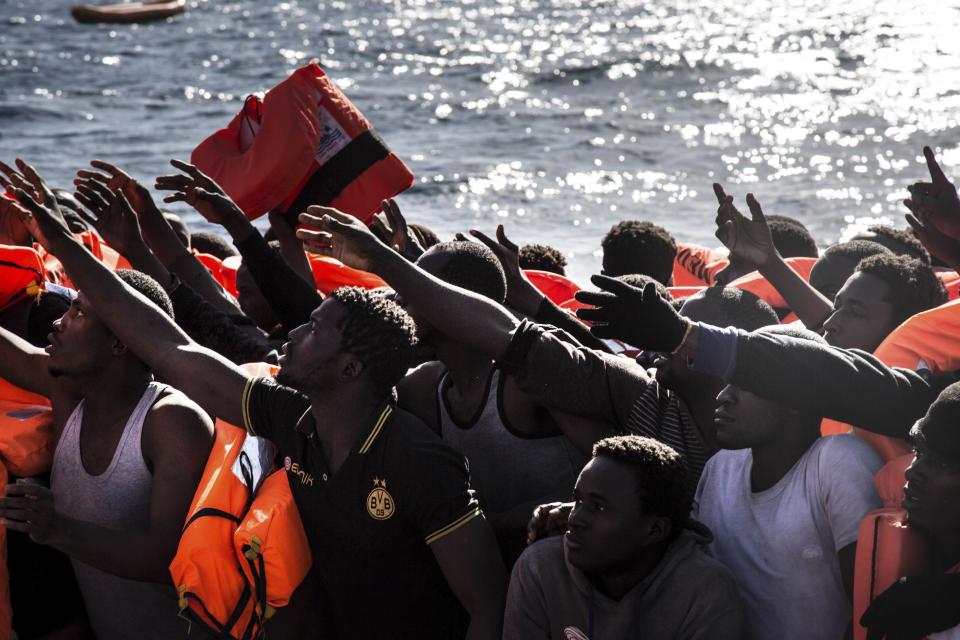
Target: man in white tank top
(129,455)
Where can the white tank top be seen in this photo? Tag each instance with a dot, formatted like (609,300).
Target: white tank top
(119,498)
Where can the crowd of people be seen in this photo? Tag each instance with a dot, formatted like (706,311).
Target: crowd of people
(690,449)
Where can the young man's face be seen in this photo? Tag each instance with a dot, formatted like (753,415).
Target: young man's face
(606,522)
(80,344)
(931,494)
(310,355)
(862,315)
(743,420)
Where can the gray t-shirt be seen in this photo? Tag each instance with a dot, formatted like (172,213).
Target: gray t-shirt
(781,544)
(688,596)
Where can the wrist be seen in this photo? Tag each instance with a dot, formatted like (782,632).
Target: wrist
(237,225)
(522,296)
(772,264)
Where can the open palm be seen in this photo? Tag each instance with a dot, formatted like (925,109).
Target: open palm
(746,238)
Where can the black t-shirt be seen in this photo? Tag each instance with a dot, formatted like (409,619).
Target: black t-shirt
(370,525)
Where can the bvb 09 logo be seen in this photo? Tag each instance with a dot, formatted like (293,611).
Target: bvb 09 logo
(380,504)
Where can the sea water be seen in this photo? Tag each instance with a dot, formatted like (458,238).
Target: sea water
(556,118)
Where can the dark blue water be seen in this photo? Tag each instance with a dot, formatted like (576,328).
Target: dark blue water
(555,117)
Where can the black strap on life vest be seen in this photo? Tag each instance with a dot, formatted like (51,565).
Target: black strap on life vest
(222,631)
(332,178)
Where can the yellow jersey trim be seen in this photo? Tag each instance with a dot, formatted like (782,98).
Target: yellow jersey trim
(377,428)
(245,405)
(453,526)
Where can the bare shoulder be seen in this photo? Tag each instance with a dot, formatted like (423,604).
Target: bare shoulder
(417,392)
(177,423)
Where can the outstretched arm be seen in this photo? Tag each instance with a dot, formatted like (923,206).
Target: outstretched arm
(211,379)
(522,296)
(156,231)
(472,320)
(797,373)
(749,239)
(287,293)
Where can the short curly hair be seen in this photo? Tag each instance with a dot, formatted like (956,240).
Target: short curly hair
(542,257)
(791,238)
(470,265)
(901,241)
(148,288)
(662,476)
(378,332)
(914,287)
(635,246)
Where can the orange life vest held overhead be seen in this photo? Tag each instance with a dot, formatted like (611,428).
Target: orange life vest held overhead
(304,143)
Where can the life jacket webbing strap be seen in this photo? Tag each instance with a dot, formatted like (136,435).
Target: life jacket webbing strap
(347,165)
(873,558)
(218,630)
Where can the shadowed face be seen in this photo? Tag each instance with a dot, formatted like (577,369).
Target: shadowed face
(744,420)
(930,494)
(311,357)
(80,344)
(604,529)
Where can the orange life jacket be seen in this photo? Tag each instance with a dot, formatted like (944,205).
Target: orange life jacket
(929,340)
(22,274)
(951,282)
(330,274)
(761,287)
(26,449)
(696,266)
(214,265)
(683,292)
(557,288)
(6,610)
(887,550)
(243,550)
(304,143)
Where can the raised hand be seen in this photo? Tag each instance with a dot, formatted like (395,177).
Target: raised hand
(113,216)
(521,294)
(35,205)
(341,236)
(396,233)
(639,317)
(937,199)
(116,179)
(200,192)
(914,608)
(748,239)
(939,244)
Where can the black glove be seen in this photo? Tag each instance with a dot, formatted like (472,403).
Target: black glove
(638,317)
(914,607)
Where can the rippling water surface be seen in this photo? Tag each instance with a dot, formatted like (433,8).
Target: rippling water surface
(555,117)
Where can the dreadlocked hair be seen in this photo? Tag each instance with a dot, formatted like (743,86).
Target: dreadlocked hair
(378,332)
